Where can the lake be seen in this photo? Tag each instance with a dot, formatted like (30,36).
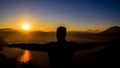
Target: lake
(39,57)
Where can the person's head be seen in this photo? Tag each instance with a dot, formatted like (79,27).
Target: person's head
(61,33)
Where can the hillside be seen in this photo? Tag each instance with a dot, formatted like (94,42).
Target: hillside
(15,36)
(115,30)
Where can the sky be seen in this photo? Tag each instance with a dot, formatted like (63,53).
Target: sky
(47,15)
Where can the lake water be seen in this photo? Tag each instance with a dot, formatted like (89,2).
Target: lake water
(38,57)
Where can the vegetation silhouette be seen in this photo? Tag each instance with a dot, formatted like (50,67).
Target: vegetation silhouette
(60,52)
(13,63)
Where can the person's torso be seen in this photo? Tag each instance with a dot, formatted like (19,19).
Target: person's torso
(61,54)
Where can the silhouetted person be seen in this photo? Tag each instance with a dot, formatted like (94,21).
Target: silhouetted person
(60,52)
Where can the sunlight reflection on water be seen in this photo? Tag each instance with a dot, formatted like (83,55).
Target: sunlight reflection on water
(25,57)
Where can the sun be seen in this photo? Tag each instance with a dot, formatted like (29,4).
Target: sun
(26,27)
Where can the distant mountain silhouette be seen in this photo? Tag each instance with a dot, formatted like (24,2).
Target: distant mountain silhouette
(115,30)
(8,30)
(36,36)
(111,30)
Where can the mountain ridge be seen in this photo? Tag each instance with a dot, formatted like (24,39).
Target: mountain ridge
(110,30)
(114,30)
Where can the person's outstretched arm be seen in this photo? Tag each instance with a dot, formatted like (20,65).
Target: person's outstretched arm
(84,46)
(33,47)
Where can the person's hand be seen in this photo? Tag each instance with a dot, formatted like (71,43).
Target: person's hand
(3,43)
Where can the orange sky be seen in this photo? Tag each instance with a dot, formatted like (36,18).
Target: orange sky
(45,26)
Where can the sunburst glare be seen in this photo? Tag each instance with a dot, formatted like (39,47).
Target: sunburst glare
(26,27)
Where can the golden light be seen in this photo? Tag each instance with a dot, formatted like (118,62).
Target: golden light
(25,57)
(26,26)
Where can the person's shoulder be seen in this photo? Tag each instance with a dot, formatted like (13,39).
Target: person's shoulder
(51,43)
(72,43)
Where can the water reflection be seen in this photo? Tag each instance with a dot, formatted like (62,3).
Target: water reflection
(25,57)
